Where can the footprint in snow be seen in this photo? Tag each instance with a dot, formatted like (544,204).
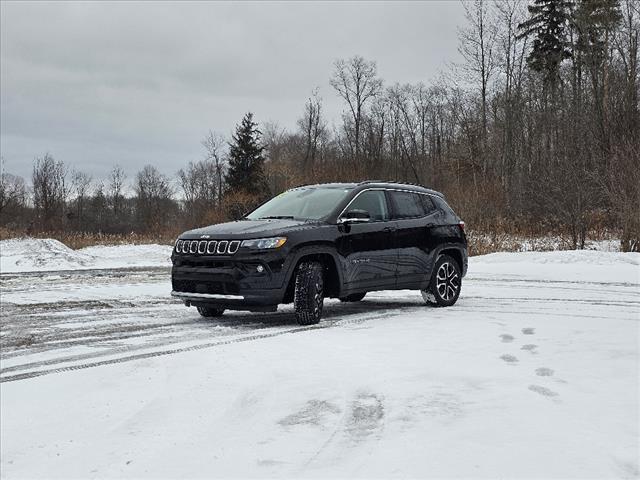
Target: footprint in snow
(509,358)
(531,347)
(529,331)
(367,416)
(314,412)
(544,372)
(506,338)
(543,391)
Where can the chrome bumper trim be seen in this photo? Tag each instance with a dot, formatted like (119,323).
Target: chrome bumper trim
(212,296)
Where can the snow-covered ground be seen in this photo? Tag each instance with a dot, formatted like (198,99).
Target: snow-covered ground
(534,373)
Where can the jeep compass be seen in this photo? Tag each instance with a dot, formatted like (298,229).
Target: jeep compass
(338,240)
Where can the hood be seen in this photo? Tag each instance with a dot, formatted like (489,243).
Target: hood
(247,229)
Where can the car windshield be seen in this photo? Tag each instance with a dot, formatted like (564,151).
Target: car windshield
(301,204)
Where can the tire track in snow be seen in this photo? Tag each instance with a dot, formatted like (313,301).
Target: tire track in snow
(142,356)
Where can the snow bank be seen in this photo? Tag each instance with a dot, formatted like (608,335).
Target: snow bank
(37,255)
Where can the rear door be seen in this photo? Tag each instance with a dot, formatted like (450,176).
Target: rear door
(416,216)
(368,248)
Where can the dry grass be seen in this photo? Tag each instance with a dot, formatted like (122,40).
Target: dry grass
(78,240)
(480,243)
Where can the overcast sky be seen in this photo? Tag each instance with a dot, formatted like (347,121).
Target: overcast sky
(97,84)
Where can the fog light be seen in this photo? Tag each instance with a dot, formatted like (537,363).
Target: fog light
(259,269)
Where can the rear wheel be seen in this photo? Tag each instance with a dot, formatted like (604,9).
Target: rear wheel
(445,284)
(308,297)
(210,311)
(354,297)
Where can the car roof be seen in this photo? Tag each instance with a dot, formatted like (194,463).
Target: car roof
(376,184)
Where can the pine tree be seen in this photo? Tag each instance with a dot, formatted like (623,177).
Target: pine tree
(246,159)
(595,21)
(548,23)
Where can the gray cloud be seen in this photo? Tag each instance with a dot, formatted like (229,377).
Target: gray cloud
(133,83)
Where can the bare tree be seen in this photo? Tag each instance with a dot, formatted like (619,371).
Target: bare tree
(477,47)
(116,186)
(199,184)
(356,81)
(511,62)
(153,197)
(80,184)
(13,192)
(49,189)
(627,42)
(214,145)
(312,127)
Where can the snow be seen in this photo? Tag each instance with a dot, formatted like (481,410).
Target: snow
(534,373)
(37,255)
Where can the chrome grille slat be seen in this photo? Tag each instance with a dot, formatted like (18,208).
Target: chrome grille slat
(208,247)
(233,247)
(222,247)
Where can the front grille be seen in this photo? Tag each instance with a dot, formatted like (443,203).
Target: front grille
(207,247)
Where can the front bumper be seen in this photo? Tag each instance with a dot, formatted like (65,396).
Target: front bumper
(233,281)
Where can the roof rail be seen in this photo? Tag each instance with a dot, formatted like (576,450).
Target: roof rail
(364,182)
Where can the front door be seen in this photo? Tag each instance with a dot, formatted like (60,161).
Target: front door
(368,248)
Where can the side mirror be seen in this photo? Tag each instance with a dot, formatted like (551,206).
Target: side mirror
(355,216)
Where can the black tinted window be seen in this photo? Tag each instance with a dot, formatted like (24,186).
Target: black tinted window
(374,202)
(427,204)
(407,205)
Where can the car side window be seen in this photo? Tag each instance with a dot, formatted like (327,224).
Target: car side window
(374,202)
(427,204)
(407,205)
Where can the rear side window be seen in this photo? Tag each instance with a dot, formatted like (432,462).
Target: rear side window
(444,206)
(427,204)
(407,205)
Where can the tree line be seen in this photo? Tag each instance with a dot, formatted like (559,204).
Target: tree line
(537,130)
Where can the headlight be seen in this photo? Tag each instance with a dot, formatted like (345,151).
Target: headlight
(263,243)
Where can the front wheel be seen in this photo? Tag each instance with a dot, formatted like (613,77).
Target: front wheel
(308,297)
(445,284)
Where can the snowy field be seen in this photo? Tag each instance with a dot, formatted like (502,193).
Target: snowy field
(534,373)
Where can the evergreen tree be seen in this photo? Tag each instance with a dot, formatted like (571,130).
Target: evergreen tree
(548,23)
(595,21)
(246,159)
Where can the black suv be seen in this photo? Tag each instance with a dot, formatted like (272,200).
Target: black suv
(337,240)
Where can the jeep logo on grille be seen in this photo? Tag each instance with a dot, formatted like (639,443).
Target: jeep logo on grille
(210,247)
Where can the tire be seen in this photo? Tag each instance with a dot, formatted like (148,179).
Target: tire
(446,283)
(308,296)
(209,312)
(354,297)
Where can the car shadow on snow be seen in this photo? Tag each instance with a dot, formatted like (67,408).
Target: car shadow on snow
(286,317)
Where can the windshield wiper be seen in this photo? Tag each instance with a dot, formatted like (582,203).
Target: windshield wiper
(277,217)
